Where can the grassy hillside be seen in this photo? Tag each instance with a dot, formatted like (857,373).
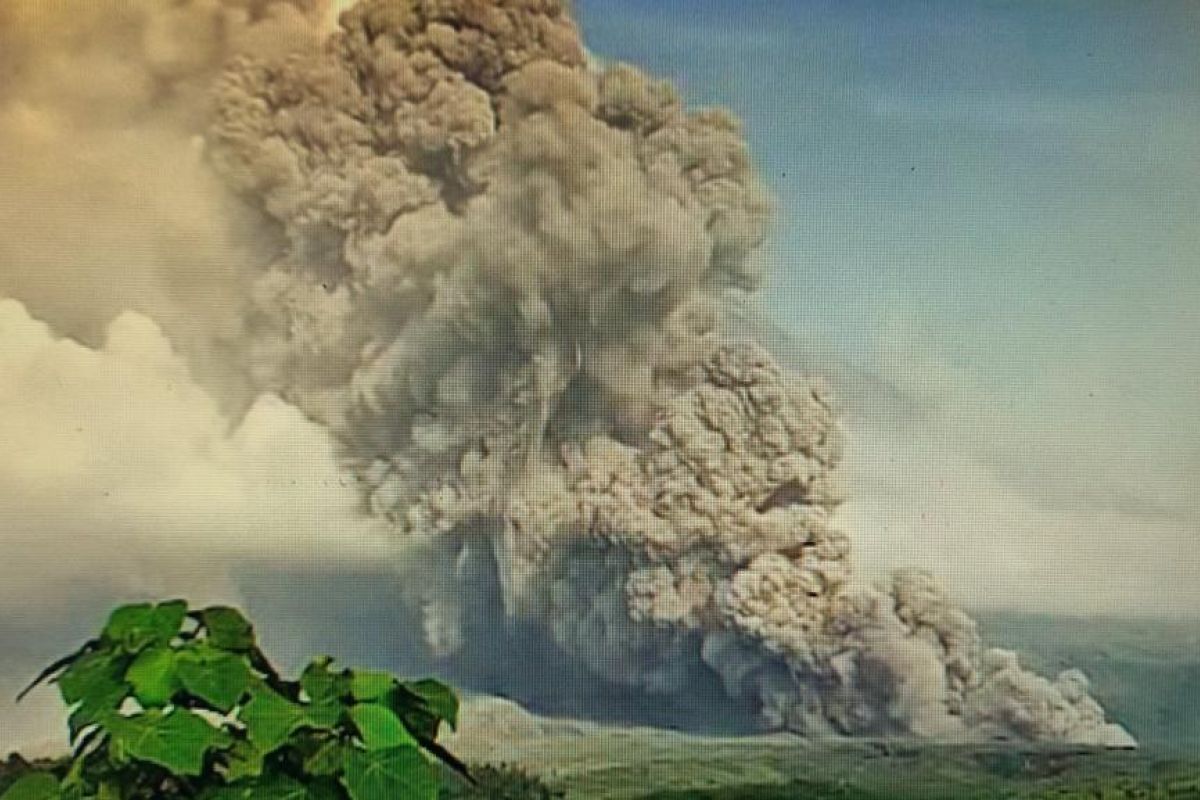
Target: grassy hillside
(602,768)
(650,765)
(592,762)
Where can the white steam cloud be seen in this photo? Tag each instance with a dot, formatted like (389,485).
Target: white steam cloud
(496,273)
(121,478)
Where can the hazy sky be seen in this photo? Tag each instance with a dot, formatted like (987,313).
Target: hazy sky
(994,208)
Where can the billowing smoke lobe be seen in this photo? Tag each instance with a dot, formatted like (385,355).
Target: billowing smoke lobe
(105,201)
(501,287)
(499,278)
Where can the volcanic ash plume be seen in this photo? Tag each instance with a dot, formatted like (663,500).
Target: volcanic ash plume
(105,201)
(500,282)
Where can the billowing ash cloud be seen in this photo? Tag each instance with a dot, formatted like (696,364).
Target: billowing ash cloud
(499,282)
(105,202)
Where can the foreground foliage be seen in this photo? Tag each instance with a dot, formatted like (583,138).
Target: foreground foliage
(490,782)
(500,783)
(168,702)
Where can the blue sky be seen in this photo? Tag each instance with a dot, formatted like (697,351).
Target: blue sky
(974,156)
(994,209)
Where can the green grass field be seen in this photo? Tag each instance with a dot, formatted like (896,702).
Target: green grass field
(606,768)
(910,773)
(649,765)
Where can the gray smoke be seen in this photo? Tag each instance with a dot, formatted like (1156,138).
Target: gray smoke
(502,286)
(498,273)
(105,200)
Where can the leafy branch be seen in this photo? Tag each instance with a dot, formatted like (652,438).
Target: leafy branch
(169,702)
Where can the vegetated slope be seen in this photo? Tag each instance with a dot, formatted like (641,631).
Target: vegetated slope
(723,770)
(587,761)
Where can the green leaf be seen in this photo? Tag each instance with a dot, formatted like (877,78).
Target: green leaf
(94,686)
(228,629)
(325,715)
(327,760)
(94,676)
(133,627)
(368,685)
(380,727)
(215,676)
(270,718)
(101,701)
(93,711)
(319,681)
(325,689)
(421,721)
(438,697)
(243,760)
(178,741)
(401,772)
(153,677)
(126,621)
(35,786)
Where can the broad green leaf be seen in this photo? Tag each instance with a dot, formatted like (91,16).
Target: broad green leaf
(178,740)
(326,714)
(327,760)
(243,760)
(228,629)
(94,676)
(319,681)
(380,727)
(416,714)
(35,786)
(153,677)
(325,689)
(93,711)
(270,718)
(416,717)
(371,685)
(215,676)
(438,697)
(136,626)
(401,772)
